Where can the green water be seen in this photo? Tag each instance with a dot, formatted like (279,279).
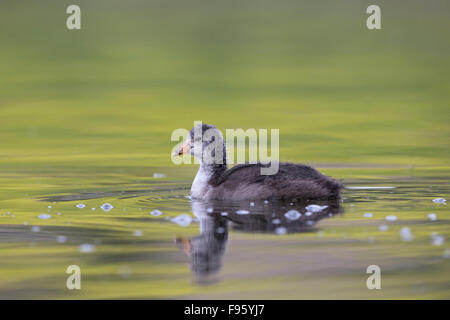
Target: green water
(86,118)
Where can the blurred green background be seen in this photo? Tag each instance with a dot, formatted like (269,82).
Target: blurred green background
(91,112)
(112,92)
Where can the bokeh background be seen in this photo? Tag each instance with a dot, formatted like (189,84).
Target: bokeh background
(90,112)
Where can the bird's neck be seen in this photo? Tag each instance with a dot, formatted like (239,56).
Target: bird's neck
(207,175)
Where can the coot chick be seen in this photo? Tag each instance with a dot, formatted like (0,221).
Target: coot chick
(245,181)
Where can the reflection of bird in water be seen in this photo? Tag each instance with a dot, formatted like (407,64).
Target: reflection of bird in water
(206,250)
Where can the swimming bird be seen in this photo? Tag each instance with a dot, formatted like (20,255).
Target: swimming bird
(214,181)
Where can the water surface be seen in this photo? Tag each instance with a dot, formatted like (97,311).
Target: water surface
(193,249)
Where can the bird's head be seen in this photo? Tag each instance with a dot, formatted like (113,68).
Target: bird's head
(205,142)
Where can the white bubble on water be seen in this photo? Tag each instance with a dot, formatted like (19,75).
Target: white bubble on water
(369,188)
(156,213)
(49,207)
(220,230)
(437,239)
(44,216)
(406,234)
(80,205)
(242,212)
(432,216)
(138,233)
(61,239)
(210,210)
(292,215)
(223,214)
(383,227)
(308,213)
(266,201)
(439,200)
(124,272)
(276,221)
(446,254)
(368,215)
(182,220)
(391,218)
(252,204)
(315,208)
(35,228)
(280,230)
(309,222)
(86,248)
(159,175)
(106,207)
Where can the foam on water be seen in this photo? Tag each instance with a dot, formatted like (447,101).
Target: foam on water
(86,248)
(369,188)
(292,215)
(159,175)
(61,239)
(156,213)
(220,230)
(106,207)
(406,234)
(315,208)
(183,220)
(437,239)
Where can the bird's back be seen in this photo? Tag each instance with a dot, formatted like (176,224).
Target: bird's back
(292,181)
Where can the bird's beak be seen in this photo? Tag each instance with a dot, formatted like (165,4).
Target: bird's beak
(184,148)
